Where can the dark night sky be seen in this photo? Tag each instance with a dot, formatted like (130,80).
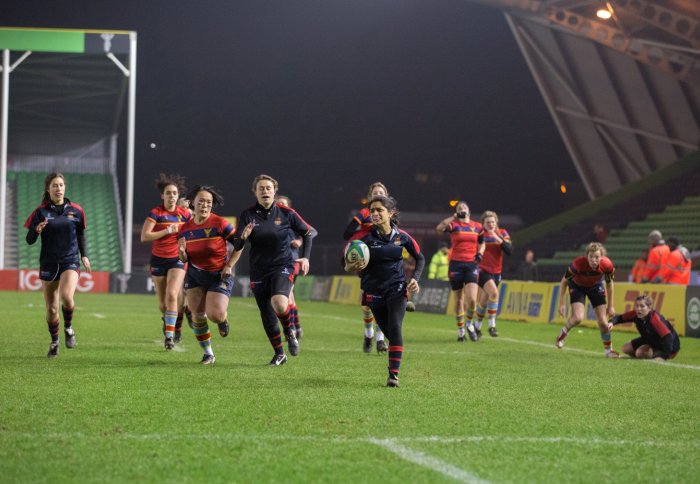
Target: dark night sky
(328,96)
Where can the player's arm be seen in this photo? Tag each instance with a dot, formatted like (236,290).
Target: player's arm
(444,226)
(610,291)
(83,248)
(351,228)
(34,226)
(562,291)
(149,235)
(481,247)
(506,245)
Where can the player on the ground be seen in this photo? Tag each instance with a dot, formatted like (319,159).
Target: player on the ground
(202,244)
(295,243)
(658,339)
(584,278)
(384,286)
(167,270)
(497,243)
(268,225)
(467,251)
(61,225)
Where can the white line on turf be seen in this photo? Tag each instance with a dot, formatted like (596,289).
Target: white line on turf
(437,439)
(425,460)
(99,315)
(526,342)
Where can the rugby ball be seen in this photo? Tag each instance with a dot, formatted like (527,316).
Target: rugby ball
(356,250)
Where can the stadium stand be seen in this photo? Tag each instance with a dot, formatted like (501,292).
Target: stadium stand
(93,192)
(667,200)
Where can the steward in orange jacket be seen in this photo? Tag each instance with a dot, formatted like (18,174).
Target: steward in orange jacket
(677,267)
(658,253)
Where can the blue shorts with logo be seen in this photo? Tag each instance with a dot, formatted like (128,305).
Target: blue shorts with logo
(595,294)
(207,280)
(485,277)
(161,265)
(462,273)
(277,282)
(52,271)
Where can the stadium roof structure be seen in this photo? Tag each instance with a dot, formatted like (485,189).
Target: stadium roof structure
(624,92)
(67,82)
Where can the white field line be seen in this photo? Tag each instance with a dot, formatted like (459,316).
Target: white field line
(99,315)
(431,439)
(425,460)
(520,341)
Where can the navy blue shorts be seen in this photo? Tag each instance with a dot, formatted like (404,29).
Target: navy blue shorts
(161,265)
(462,273)
(278,282)
(209,281)
(595,294)
(485,277)
(52,271)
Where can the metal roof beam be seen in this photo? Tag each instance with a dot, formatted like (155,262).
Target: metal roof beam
(675,23)
(629,129)
(681,66)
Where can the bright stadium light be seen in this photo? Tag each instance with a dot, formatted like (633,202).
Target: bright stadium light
(562,187)
(603,13)
(453,203)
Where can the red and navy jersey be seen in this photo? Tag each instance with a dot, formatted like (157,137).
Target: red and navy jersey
(270,240)
(385,268)
(166,247)
(655,329)
(360,224)
(582,274)
(493,255)
(206,243)
(465,237)
(59,238)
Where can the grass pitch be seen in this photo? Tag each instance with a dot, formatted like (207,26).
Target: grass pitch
(508,409)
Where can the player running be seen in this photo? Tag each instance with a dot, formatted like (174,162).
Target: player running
(267,225)
(384,286)
(360,225)
(467,251)
(296,243)
(61,225)
(167,270)
(202,243)
(584,278)
(497,243)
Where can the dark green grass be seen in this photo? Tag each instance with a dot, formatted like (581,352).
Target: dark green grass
(509,409)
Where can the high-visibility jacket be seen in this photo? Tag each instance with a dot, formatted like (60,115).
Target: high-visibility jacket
(638,270)
(656,260)
(439,265)
(677,267)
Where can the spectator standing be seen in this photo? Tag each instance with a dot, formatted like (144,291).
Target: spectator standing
(658,253)
(439,263)
(528,268)
(638,268)
(677,267)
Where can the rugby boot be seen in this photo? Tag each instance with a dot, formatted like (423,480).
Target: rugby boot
(278,360)
(292,342)
(393,380)
(70,337)
(169,344)
(367,345)
(53,350)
